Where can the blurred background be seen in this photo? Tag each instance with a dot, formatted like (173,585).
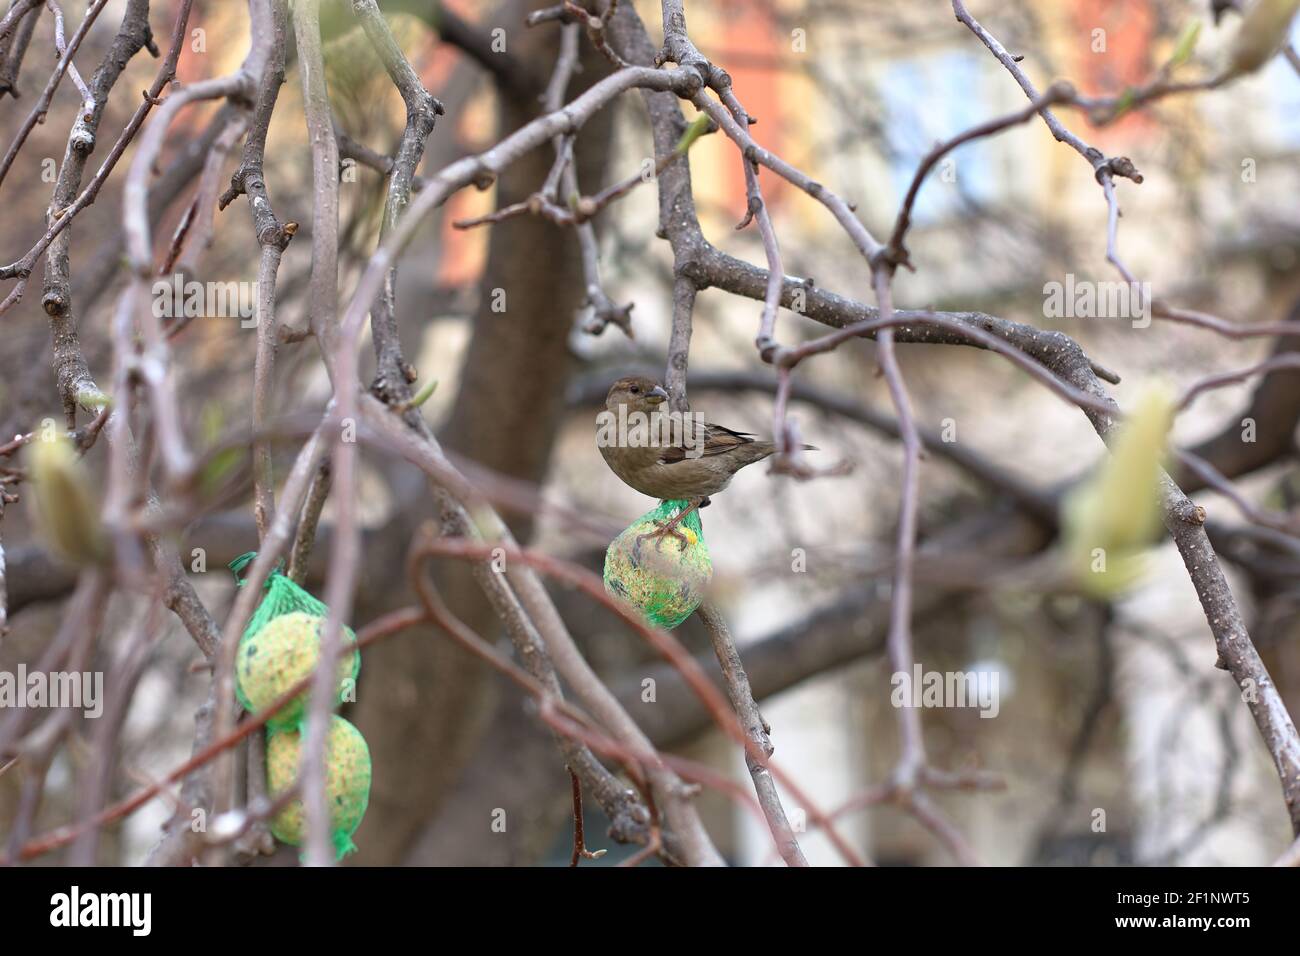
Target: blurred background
(1118,741)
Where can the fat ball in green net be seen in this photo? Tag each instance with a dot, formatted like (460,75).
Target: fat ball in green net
(347,783)
(665,577)
(281,646)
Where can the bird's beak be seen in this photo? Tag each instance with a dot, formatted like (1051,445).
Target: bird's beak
(656,396)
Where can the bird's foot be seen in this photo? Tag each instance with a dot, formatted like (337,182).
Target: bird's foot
(669,528)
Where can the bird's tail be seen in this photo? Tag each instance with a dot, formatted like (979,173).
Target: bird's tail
(761,449)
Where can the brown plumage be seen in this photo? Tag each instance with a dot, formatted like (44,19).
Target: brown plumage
(676,469)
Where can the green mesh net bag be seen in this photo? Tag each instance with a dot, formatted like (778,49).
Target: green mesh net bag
(281,645)
(347,783)
(663,577)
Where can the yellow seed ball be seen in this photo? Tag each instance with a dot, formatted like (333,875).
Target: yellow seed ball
(281,653)
(665,577)
(347,782)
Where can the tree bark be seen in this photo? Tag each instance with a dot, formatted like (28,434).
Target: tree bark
(420,693)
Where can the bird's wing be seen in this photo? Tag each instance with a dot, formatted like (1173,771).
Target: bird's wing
(709,440)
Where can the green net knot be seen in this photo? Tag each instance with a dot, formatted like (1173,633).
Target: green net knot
(247,558)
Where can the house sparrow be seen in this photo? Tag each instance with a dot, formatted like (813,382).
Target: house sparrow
(670,456)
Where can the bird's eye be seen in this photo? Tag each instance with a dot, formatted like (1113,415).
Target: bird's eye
(635,389)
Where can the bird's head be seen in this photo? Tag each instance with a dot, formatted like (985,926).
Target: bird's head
(637,393)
